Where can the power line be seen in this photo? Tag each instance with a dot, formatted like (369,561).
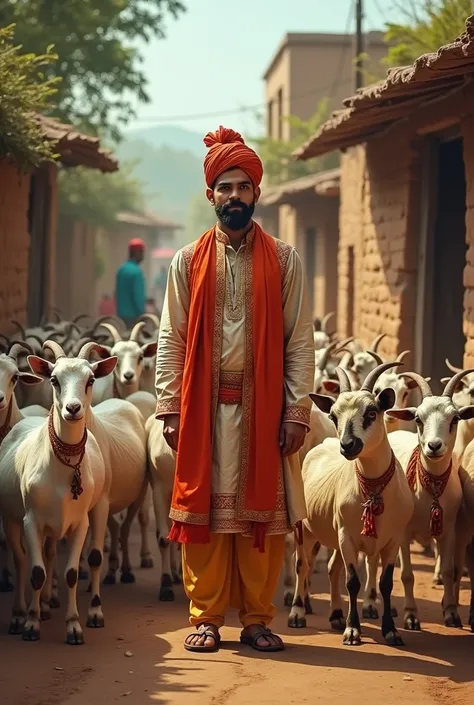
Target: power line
(236,111)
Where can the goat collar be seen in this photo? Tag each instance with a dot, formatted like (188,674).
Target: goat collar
(433,484)
(65,451)
(6,428)
(373,504)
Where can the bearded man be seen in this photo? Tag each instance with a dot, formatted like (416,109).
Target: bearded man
(235,366)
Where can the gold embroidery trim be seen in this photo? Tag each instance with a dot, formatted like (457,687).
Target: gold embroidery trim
(297,414)
(168,406)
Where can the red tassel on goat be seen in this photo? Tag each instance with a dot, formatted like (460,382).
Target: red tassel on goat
(189,533)
(436,519)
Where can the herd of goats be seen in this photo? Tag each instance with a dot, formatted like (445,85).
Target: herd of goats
(385,462)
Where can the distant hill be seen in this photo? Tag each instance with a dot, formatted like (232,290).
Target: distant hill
(169,136)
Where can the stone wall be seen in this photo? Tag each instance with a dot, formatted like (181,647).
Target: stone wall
(14,246)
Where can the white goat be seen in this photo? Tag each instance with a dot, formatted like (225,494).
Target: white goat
(52,478)
(433,474)
(321,337)
(363,362)
(369,476)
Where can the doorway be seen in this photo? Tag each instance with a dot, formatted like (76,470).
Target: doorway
(38,228)
(442,259)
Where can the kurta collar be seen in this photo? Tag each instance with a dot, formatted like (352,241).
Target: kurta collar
(222,237)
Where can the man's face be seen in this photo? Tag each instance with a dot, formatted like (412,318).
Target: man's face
(137,254)
(234,198)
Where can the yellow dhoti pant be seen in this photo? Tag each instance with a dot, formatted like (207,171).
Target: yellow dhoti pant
(230,572)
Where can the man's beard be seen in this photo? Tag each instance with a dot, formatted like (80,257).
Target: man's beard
(238,219)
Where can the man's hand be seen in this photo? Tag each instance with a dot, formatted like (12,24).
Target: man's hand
(171,430)
(292,437)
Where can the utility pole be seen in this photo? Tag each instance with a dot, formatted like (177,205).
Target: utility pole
(359,46)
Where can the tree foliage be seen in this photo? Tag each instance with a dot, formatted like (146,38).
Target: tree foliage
(200,217)
(100,64)
(425,26)
(276,154)
(24,90)
(96,198)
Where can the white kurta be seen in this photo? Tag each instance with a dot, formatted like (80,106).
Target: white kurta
(298,370)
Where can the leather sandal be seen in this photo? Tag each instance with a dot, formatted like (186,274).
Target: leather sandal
(203,630)
(251,640)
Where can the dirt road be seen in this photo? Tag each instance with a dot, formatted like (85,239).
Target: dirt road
(436,666)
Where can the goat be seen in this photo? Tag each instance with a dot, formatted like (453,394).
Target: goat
(52,479)
(321,337)
(364,362)
(367,475)
(433,475)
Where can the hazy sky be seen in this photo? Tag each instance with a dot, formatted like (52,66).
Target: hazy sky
(214,56)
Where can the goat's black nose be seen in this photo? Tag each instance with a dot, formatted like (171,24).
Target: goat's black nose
(73,408)
(351,447)
(435,445)
(129,375)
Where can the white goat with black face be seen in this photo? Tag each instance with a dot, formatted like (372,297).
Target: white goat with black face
(52,479)
(357,500)
(433,473)
(131,355)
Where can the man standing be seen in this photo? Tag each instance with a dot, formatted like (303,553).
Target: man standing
(234,368)
(130,284)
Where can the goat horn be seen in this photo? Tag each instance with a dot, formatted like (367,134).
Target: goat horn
(113,331)
(136,330)
(72,326)
(326,320)
(421,382)
(344,382)
(454,381)
(77,318)
(19,346)
(373,376)
(151,317)
(324,359)
(33,336)
(55,348)
(20,328)
(402,355)
(375,345)
(452,367)
(86,350)
(377,357)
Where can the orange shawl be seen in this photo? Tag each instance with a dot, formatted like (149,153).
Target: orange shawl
(190,506)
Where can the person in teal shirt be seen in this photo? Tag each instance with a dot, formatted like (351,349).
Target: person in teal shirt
(130,284)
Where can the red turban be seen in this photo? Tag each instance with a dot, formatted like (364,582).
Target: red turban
(227,150)
(137,242)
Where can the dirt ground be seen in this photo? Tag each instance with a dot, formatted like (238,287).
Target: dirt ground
(435,666)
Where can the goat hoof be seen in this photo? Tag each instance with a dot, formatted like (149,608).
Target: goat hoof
(471,623)
(166,594)
(394,612)
(83,574)
(45,614)
(453,620)
(437,580)
(75,637)
(393,638)
(54,602)
(127,577)
(95,621)
(110,579)
(352,637)
(337,621)
(296,622)
(31,633)
(308,608)
(412,623)
(177,579)
(288,599)
(146,562)
(370,612)
(16,626)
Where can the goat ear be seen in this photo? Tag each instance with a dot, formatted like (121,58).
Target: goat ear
(402,414)
(102,368)
(149,349)
(26,378)
(331,386)
(466,413)
(386,399)
(40,367)
(410,383)
(323,402)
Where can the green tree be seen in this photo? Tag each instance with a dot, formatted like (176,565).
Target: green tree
(100,64)
(200,217)
(24,90)
(96,198)
(425,26)
(276,155)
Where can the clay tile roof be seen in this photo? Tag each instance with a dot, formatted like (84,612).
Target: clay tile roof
(325,183)
(75,148)
(146,219)
(376,107)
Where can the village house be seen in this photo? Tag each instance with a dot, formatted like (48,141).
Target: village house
(28,223)
(306,68)
(406,238)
